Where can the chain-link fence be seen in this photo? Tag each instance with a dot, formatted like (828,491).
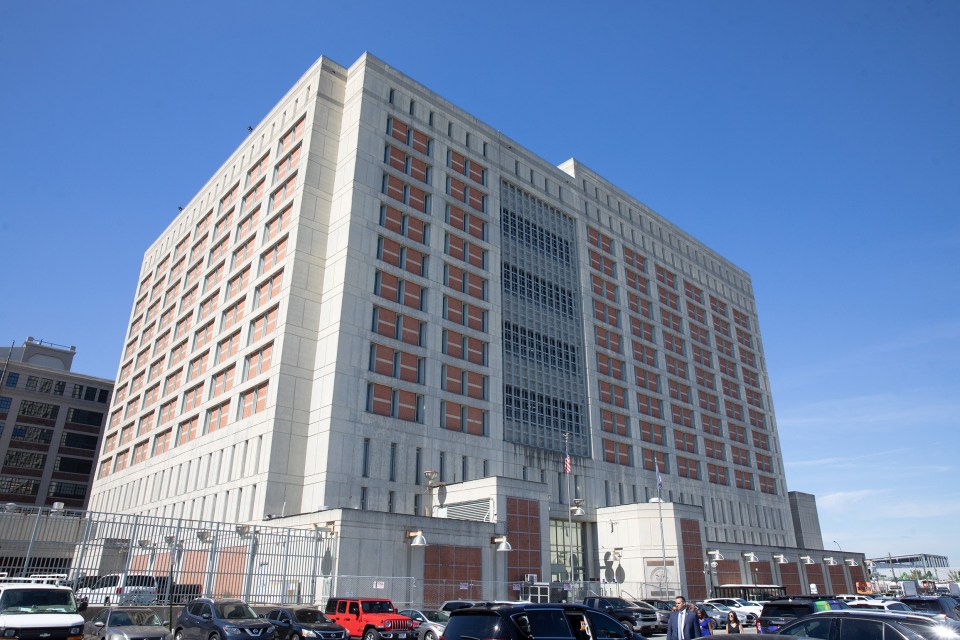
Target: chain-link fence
(112,558)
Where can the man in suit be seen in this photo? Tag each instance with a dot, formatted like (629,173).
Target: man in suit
(682,624)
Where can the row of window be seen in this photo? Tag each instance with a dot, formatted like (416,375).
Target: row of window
(540,348)
(12,485)
(538,291)
(57,387)
(535,237)
(249,403)
(230,316)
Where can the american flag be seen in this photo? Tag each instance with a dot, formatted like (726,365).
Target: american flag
(659,480)
(566,460)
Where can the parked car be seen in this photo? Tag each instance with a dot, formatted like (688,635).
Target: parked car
(746,612)
(207,619)
(781,611)
(370,618)
(850,598)
(432,622)
(716,611)
(938,605)
(121,588)
(663,617)
(123,623)
(541,620)
(881,605)
(630,615)
(663,607)
(860,624)
(293,623)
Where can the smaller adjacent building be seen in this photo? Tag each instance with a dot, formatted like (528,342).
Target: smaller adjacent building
(51,421)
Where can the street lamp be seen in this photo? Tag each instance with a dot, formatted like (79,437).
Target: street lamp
(708,568)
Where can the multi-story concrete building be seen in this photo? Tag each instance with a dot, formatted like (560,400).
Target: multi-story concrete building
(382,313)
(51,420)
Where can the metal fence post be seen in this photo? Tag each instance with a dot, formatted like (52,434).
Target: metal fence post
(33,537)
(87,523)
(251,555)
(286,559)
(313,572)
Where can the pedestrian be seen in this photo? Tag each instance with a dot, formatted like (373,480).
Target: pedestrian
(706,622)
(682,624)
(733,623)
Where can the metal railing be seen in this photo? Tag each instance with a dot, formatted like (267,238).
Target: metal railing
(185,558)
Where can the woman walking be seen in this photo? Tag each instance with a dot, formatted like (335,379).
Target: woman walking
(733,623)
(706,623)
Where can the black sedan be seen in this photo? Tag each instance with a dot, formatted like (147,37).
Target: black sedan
(294,623)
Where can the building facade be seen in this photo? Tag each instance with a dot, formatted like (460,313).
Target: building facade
(51,421)
(382,311)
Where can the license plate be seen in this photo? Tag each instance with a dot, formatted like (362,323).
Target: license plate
(401,635)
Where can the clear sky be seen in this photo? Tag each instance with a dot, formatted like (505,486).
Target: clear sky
(814,143)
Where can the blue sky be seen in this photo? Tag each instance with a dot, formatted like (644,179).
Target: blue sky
(816,144)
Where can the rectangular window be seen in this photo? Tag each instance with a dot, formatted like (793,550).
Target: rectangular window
(392,473)
(365,459)
(252,401)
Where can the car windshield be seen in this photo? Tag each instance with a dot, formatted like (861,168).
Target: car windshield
(440,617)
(786,610)
(137,618)
(741,602)
(234,611)
(620,603)
(377,606)
(310,616)
(722,607)
(37,601)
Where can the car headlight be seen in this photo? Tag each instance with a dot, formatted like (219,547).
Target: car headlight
(8,632)
(309,633)
(231,629)
(116,636)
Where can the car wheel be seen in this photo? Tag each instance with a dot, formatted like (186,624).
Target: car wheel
(293,636)
(178,635)
(214,636)
(430,635)
(627,625)
(751,619)
(371,634)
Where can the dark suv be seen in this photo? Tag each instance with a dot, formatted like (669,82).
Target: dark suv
(205,618)
(777,613)
(543,621)
(945,606)
(860,624)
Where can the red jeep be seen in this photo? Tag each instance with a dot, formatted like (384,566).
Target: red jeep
(371,619)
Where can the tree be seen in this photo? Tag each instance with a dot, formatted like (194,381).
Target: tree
(918,574)
(953,576)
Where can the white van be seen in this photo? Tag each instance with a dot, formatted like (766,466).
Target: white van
(121,588)
(39,610)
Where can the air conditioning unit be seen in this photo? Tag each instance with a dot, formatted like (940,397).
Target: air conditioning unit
(530,577)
